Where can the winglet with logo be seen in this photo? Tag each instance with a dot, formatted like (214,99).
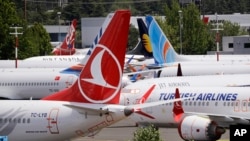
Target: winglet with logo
(67,47)
(177,109)
(101,79)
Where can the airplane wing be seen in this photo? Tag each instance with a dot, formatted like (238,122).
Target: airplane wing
(91,109)
(221,118)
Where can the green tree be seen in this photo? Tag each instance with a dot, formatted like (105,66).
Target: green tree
(132,37)
(149,133)
(195,37)
(36,42)
(8,18)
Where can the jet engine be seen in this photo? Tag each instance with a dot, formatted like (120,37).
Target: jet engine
(199,128)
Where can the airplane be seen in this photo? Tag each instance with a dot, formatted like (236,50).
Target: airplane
(23,83)
(67,47)
(164,52)
(89,105)
(188,68)
(215,103)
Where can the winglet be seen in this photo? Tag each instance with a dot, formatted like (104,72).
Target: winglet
(100,80)
(67,47)
(177,109)
(179,71)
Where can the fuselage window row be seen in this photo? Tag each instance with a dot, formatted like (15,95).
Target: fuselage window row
(206,103)
(31,84)
(14,120)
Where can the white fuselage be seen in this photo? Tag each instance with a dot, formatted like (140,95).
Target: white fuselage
(51,120)
(225,105)
(33,84)
(63,61)
(208,86)
(191,70)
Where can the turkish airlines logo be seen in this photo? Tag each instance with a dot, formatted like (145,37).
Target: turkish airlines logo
(95,83)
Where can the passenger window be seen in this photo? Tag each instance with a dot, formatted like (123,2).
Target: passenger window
(19,120)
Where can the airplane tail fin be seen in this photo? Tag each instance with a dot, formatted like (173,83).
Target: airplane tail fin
(146,45)
(177,109)
(163,51)
(101,79)
(98,36)
(67,47)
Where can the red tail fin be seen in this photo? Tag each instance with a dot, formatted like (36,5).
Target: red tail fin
(177,109)
(100,80)
(67,47)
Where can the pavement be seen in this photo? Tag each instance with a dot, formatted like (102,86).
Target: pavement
(124,130)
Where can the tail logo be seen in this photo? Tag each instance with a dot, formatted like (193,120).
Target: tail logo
(93,76)
(69,37)
(147,44)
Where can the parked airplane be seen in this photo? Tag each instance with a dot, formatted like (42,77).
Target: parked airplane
(205,116)
(85,108)
(164,52)
(62,61)
(194,67)
(67,47)
(43,81)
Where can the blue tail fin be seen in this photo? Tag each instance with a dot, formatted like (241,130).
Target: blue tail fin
(163,51)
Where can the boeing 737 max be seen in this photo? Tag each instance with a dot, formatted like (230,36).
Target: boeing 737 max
(165,52)
(89,105)
(215,103)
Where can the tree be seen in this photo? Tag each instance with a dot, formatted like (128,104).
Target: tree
(8,18)
(195,37)
(36,42)
(133,37)
(150,133)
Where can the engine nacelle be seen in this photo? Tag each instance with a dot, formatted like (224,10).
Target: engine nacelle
(199,128)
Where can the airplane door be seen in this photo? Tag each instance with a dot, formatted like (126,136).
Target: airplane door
(69,81)
(52,121)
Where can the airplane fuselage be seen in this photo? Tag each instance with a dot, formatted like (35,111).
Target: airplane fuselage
(226,106)
(51,120)
(33,84)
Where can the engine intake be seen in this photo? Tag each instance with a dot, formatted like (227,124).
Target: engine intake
(199,128)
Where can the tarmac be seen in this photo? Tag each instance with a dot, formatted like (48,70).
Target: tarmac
(124,130)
